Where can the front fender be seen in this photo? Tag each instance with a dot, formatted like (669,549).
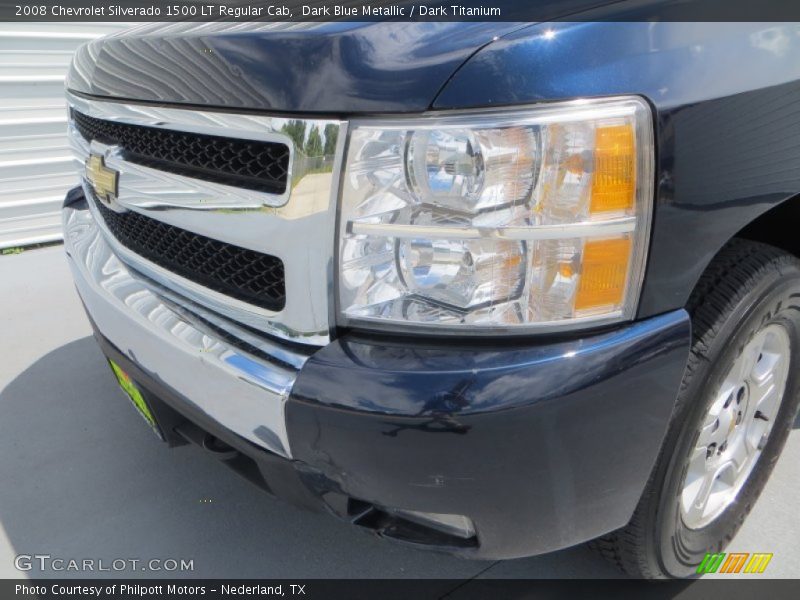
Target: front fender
(727,121)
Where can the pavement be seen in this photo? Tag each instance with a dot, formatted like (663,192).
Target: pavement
(82,477)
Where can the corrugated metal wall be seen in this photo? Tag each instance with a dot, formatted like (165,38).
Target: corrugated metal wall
(35,168)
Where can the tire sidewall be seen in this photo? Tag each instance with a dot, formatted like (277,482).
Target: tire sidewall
(679,547)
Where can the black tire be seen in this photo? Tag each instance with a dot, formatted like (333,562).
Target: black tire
(747,286)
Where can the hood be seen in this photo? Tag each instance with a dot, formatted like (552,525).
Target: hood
(312,67)
(330,67)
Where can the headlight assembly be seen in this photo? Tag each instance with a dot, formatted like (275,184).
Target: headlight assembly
(497,221)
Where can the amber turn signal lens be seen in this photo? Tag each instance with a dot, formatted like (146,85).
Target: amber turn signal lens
(604,273)
(614,180)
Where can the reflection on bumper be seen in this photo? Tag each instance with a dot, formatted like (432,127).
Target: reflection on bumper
(243,392)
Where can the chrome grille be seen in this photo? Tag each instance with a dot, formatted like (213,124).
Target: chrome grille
(248,164)
(293,229)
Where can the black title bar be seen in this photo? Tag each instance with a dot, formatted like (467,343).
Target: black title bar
(393,589)
(399,10)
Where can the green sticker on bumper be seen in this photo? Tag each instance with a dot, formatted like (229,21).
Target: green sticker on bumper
(127,385)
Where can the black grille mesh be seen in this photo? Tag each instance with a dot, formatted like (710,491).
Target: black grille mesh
(248,164)
(237,272)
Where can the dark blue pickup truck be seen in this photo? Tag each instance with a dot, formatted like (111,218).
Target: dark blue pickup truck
(494,289)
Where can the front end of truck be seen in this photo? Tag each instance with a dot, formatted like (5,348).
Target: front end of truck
(421,321)
(306,250)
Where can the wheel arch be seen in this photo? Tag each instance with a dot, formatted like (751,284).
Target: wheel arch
(776,227)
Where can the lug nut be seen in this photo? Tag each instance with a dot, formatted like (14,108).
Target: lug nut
(710,450)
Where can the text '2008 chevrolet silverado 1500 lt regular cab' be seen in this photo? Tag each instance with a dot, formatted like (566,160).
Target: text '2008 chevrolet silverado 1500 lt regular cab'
(488,288)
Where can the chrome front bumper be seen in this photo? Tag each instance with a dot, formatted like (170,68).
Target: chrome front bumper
(178,342)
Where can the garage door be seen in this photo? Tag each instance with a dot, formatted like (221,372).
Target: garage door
(35,169)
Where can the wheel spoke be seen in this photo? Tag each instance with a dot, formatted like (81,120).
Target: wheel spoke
(697,464)
(708,434)
(745,364)
(739,454)
(727,392)
(700,501)
(763,401)
(727,473)
(760,389)
(768,364)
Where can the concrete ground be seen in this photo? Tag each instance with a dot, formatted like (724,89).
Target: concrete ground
(82,477)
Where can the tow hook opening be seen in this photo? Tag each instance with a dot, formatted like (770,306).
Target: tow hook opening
(429,529)
(218,448)
(243,465)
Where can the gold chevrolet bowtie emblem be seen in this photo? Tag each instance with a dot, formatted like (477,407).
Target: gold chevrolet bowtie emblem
(102,179)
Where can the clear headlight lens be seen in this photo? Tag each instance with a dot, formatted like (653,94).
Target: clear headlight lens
(520,219)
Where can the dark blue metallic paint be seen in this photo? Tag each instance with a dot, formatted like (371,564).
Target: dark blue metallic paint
(334,67)
(298,67)
(727,103)
(549,444)
(542,446)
